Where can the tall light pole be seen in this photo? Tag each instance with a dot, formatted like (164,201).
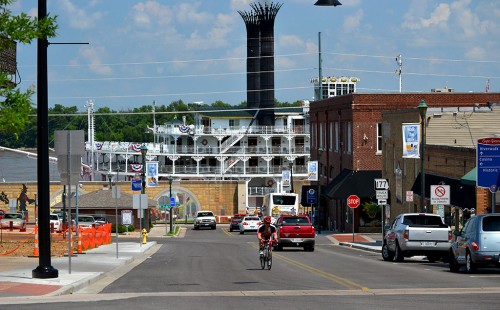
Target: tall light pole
(144,151)
(422,110)
(170,180)
(290,164)
(110,177)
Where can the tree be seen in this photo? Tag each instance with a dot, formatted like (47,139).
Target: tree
(15,105)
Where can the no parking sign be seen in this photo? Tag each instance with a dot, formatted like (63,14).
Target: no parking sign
(440,195)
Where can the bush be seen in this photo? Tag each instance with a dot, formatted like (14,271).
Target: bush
(121,228)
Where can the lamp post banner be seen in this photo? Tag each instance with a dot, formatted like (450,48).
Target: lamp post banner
(411,140)
(152,174)
(285,175)
(312,171)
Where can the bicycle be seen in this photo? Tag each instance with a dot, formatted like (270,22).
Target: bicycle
(267,258)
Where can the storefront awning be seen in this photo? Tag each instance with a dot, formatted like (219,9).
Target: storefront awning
(470,177)
(461,195)
(350,182)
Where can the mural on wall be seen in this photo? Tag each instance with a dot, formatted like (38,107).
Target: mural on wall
(23,199)
(4,198)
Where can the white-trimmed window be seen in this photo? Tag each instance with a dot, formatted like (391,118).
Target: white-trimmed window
(379,138)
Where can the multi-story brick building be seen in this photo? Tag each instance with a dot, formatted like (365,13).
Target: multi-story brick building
(347,141)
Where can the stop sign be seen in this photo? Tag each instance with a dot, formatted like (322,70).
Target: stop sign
(353,201)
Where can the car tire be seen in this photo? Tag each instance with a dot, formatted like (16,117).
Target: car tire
(242,232)
(453,264)
(398,255)
(213,227)
(469,264)
(387,255)
(230,229)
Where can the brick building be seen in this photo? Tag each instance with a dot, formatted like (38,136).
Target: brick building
(347,141)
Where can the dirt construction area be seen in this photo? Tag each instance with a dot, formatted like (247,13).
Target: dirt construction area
(22,244)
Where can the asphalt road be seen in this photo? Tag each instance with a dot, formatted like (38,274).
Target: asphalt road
(217,269)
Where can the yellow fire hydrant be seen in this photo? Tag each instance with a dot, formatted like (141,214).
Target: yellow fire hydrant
(144,236)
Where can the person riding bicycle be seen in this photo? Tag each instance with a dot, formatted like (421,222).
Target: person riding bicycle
(264,233)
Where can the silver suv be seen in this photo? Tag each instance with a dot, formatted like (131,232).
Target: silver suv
(204,219)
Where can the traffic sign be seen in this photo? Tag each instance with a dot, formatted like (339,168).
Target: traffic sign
(312,196)
(382,202)
(353,201)
(381,184)
(440,195)
(409,196)
(488,162)
(172,201)
(382,194)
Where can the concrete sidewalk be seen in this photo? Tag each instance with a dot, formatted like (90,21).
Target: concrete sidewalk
(77,272)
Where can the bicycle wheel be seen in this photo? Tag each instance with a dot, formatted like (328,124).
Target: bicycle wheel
(263,261)
(269,257)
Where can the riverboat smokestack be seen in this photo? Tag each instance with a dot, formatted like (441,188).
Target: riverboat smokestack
(260,58)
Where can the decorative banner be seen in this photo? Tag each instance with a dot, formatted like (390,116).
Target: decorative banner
(184,128)
(135,147)
(411,140)
(152,174)
(285,175)
(136,167)
(312,171)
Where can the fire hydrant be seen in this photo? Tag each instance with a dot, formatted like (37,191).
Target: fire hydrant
(144,236)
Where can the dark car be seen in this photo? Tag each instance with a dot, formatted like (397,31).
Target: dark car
(235,221)
(478,244)
(2,213)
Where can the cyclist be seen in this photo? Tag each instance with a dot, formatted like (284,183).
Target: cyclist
(264,233)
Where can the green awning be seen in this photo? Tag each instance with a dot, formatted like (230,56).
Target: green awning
(469,178)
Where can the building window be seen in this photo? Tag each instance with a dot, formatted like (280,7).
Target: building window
(234,122)
(336,136)
(330,136)
(349,138)
(321,135)
(379,138)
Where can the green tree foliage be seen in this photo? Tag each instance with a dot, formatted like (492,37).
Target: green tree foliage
(15,105)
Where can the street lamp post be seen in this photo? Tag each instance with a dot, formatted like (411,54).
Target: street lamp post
(144,151)
(327,3)
(170,180)
(422,110)
(290,164)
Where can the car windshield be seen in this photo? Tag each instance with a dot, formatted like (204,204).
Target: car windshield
(491,223)
(85,219)
(205,214)
(252,219)
(419,220)
(295,220)
(12,216)
(54,217)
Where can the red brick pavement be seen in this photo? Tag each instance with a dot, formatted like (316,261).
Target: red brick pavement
(348,238)
(26,289)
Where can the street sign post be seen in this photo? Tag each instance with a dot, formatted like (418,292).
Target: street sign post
(353,202)
(488,166)
(381,184)
(488,162)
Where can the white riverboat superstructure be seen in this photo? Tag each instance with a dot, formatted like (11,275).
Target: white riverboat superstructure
(223,144)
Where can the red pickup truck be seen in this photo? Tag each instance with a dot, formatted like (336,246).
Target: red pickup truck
(295,231)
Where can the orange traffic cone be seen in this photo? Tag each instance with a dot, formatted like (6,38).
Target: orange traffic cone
(35,252)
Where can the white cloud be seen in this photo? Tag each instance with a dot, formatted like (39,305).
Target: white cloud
(477,53)
(353,22)
(79,18)
(440,16)
(93,56)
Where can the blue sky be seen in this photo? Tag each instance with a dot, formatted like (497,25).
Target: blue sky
(195,50)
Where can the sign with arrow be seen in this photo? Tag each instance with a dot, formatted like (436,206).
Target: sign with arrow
(488,162)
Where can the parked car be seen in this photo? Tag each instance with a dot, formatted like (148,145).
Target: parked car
(249,223)
(100,219)
(55,221)
(235,221)
(477,245)
(17,219)
(87,221)
(2,213)
(204,219)
(417,234)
